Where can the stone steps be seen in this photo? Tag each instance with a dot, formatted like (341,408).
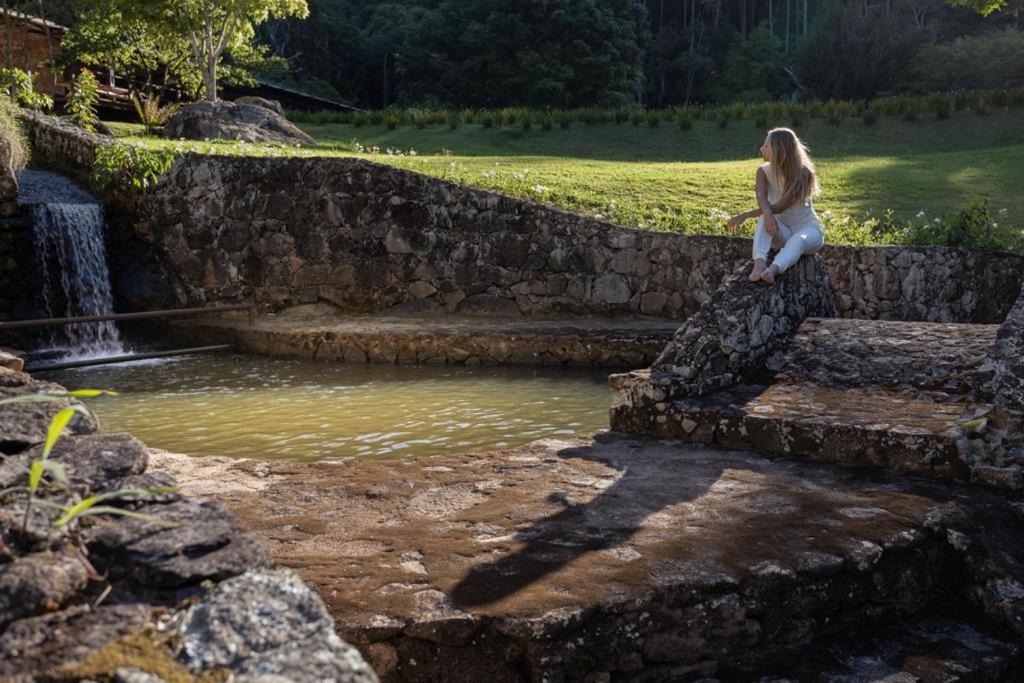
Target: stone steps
(443,339)
(937,360)
(857,426)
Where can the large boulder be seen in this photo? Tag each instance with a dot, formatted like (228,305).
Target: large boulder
(252,100)
(230,121)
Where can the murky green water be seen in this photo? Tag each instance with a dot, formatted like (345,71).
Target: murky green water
(249,406)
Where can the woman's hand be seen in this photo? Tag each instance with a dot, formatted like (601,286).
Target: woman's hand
(735,222)
(771,225)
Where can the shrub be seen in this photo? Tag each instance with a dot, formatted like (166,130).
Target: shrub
(392,120)
(487,120)
(637,118)
(17,85)
(12,136)
(129,167)
(723,119)
(82,100)
(973,226)
(943,108)
(835,116)
(546,120)
(653,119)
(911,112)
(526,120)
(454,120)
(685,120)
(870,116)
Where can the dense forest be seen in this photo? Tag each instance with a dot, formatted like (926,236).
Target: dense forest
(647,53)
(563,53)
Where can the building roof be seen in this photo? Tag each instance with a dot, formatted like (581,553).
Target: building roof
(34,23)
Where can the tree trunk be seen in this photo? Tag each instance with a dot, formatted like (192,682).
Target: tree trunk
(210,78)
(788,2)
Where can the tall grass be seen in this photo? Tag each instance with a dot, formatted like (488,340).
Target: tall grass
(762,114)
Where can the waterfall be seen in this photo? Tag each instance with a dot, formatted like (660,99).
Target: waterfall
(71,260)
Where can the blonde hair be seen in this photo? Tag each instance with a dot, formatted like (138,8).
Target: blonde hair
(792,165)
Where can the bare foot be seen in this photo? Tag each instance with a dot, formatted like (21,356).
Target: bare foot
(755,272)
(769,275)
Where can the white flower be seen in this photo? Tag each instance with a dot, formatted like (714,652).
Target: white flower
(540,189)
(937,220)
(920,214)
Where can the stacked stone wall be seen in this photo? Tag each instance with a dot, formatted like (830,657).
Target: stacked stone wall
(370,237)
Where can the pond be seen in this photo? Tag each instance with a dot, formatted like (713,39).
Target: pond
(255,407)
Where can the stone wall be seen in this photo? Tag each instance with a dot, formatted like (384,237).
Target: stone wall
(1001,378)
(370,237)
(741,326)
(731,338)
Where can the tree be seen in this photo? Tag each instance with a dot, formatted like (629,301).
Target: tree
(210,28)
(987,7)
(105,36)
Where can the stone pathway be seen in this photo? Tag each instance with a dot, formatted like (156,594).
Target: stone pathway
(639,560)
(317,331)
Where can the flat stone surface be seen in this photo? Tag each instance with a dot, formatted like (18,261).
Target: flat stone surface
(862,426)
(915,357)
(313,331)
(611,555)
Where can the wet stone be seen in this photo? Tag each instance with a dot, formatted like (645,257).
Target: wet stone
(185,542)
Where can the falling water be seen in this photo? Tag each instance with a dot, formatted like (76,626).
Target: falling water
(71,259)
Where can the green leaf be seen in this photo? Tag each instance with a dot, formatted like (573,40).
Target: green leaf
(77,509)
(57,425)
(35,474)
(33,398)
(92,393)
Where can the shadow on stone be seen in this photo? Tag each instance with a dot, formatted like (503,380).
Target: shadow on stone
(601,524)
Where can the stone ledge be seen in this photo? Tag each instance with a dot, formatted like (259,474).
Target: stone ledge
(439,339)
(867,426)
(612,556)
(940,360)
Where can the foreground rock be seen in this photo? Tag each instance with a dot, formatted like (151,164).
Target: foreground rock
(110,597)
(624,558)
(230,121)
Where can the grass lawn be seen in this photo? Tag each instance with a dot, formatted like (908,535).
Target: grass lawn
(669,179)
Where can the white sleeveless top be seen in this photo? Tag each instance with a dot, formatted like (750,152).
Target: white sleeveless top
(801,214)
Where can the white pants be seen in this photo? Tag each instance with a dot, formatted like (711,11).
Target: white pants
(792,244)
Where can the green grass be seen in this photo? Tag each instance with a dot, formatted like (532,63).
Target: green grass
(669,179)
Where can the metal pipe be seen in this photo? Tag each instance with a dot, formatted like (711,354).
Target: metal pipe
(142,315)
(125,359)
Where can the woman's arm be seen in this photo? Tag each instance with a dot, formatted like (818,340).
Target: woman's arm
(765,207)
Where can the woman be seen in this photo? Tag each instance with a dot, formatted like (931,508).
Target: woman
(784,187)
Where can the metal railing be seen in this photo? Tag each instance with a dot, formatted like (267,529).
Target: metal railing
(142,315)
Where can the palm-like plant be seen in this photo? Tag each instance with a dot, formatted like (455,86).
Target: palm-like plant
(151,114)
